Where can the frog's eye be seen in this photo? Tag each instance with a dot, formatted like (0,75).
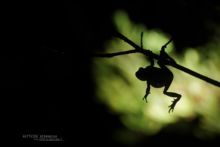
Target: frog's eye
(141,74)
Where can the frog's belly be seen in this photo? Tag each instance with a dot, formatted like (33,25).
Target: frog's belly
(157,84)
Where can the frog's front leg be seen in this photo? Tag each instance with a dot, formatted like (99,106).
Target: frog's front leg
(147,92)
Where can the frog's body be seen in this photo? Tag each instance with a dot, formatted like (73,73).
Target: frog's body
(157,77)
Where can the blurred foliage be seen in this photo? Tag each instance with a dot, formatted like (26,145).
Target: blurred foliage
(119,89)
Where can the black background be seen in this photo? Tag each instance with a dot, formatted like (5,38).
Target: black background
(46,82)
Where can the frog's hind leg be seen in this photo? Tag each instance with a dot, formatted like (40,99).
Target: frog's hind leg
(172,94)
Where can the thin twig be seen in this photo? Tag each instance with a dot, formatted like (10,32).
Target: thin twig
(150,54)
(116,54)
(165,45)
(142,33)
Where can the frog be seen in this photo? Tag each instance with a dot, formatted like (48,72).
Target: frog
(159,77)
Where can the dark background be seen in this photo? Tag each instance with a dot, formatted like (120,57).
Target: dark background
(46,82)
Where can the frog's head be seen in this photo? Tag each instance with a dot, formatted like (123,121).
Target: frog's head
(141,74)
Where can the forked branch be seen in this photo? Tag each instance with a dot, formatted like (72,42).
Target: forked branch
(150,54)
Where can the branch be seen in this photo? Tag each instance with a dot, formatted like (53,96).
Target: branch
(198,75)
(150,54)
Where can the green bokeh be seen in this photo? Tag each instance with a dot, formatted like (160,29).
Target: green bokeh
(122,92)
